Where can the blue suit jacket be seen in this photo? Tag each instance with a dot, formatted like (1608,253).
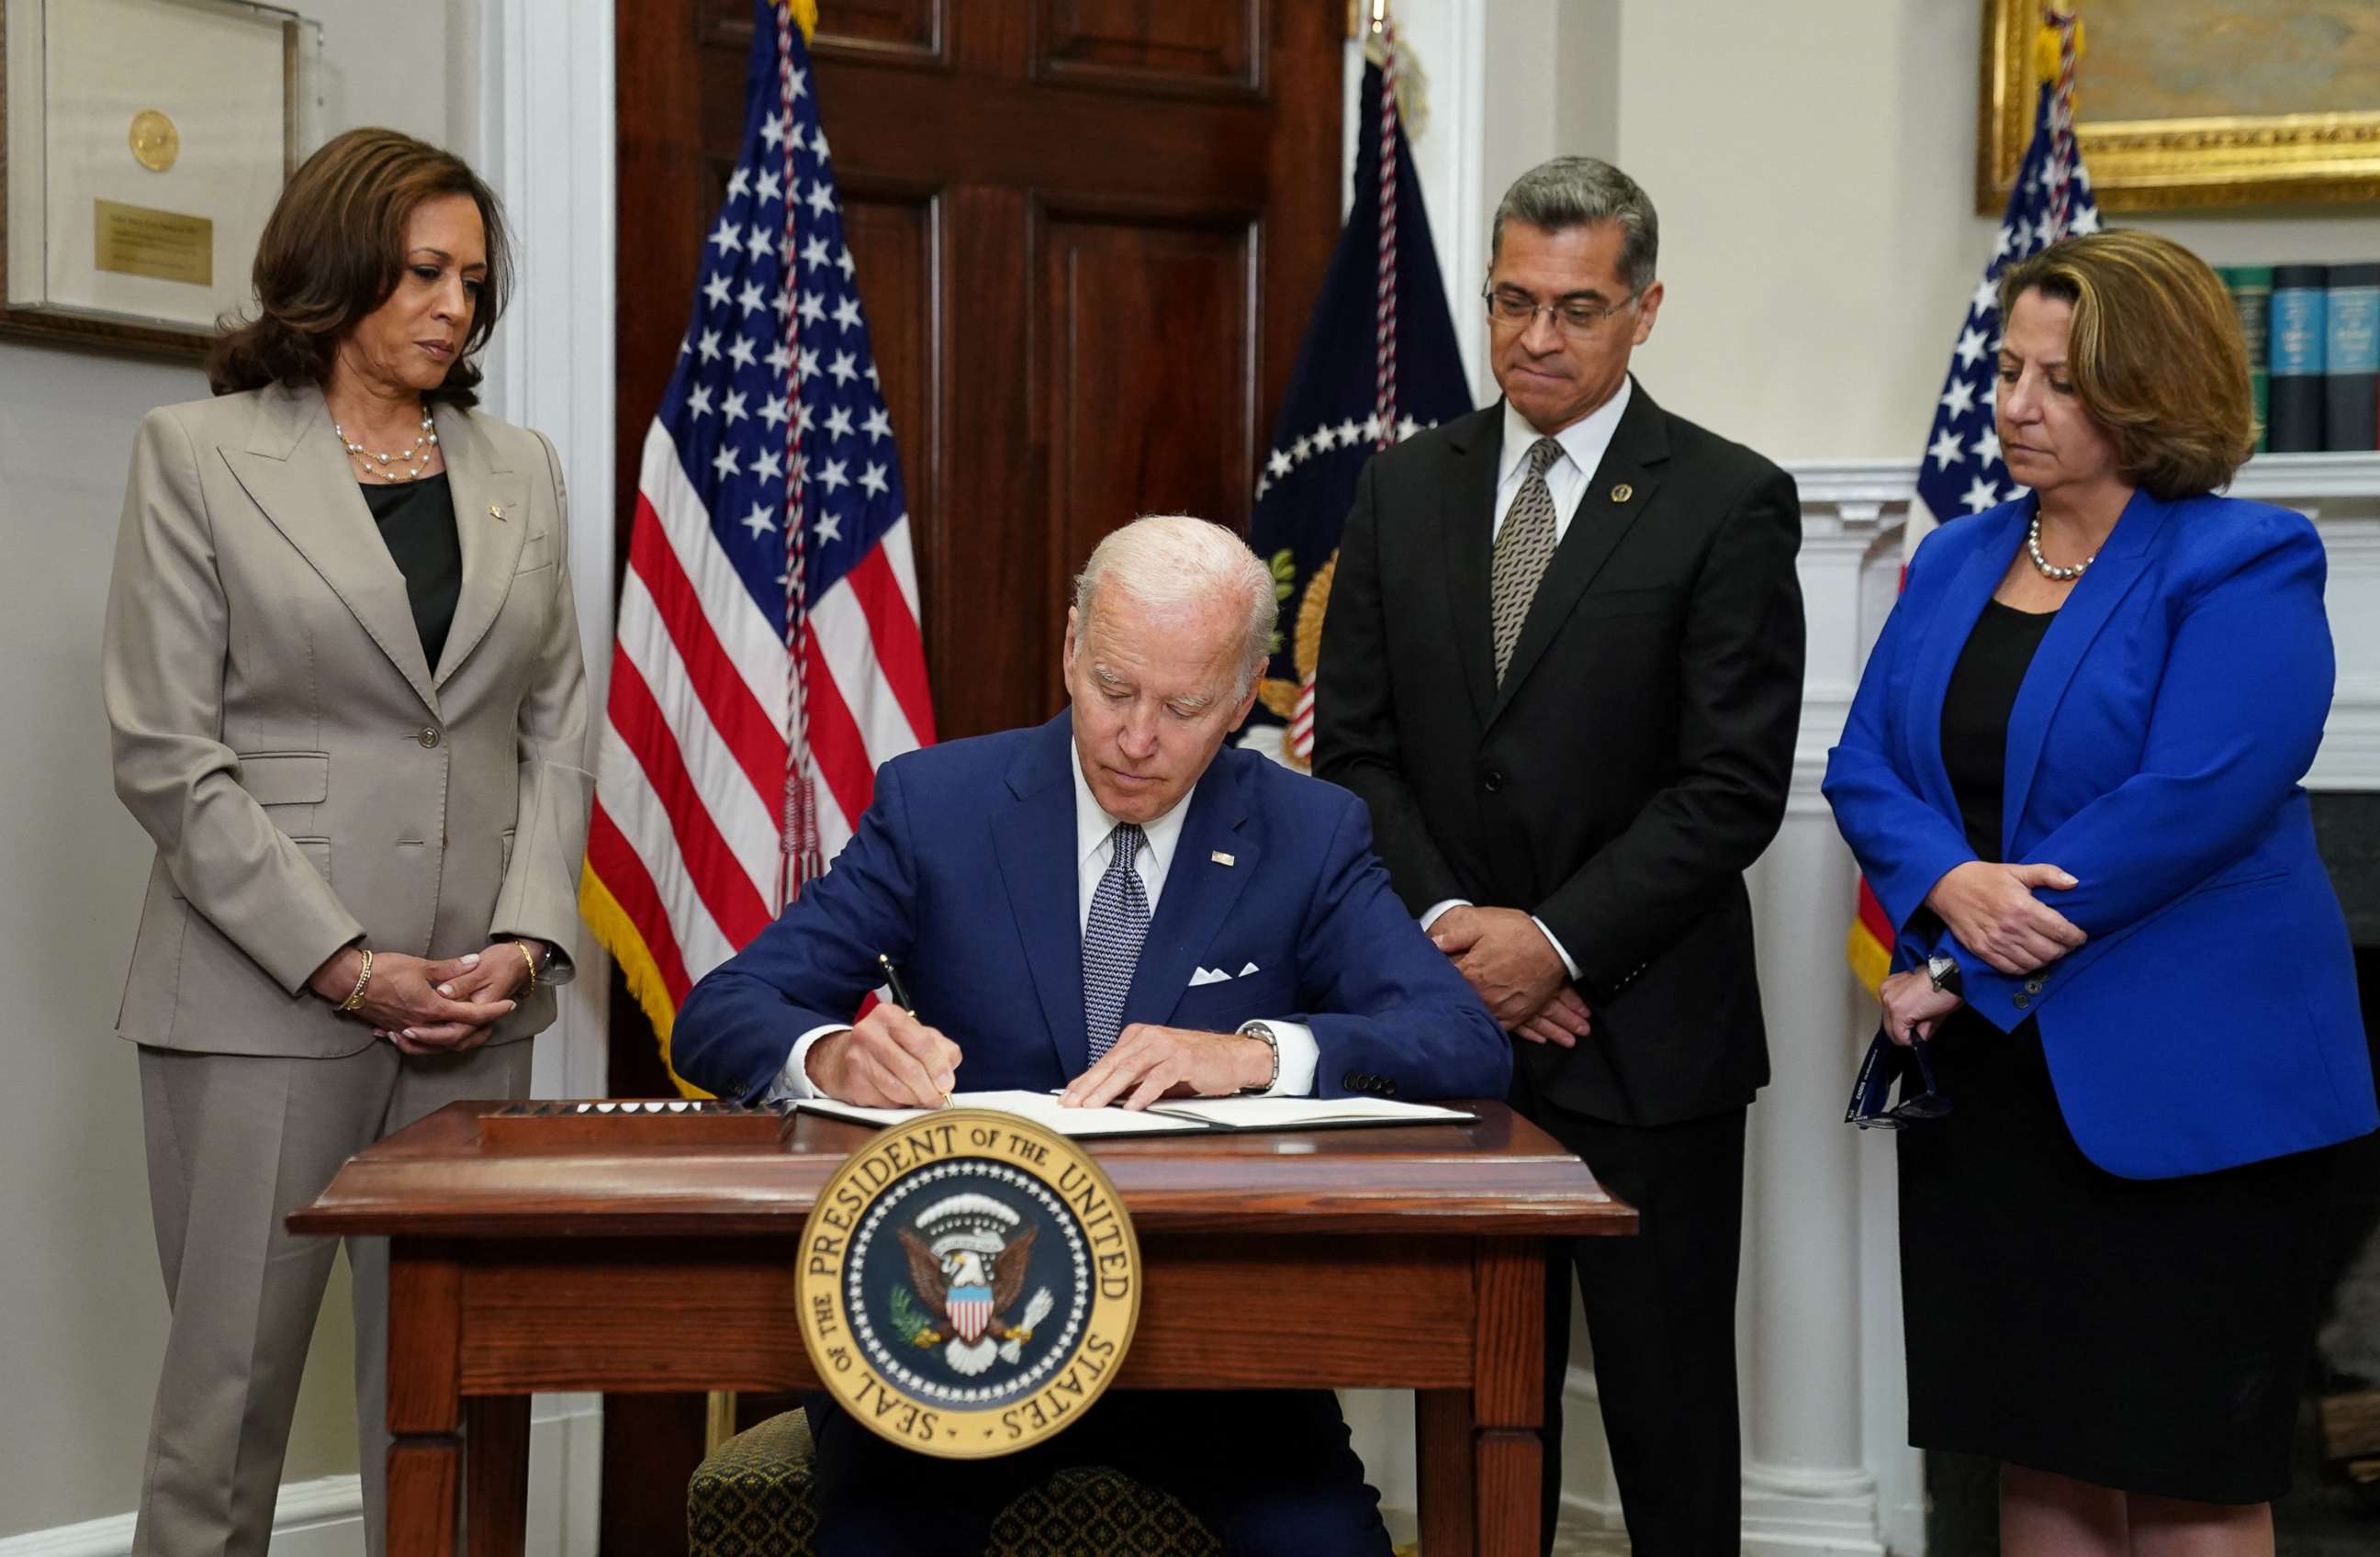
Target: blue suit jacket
(2154,752)
(963,871)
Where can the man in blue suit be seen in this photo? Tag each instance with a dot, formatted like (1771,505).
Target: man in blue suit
(1112,904)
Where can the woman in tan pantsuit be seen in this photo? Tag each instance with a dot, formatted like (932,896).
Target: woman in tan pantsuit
(342,669)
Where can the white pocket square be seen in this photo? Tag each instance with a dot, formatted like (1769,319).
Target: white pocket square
(1209,975)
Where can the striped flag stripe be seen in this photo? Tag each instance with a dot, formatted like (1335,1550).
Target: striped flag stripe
(892,633)
(841,759)
(735,905)
(749,639)
(630,886)
(845,647)
(748,729)
(741,813)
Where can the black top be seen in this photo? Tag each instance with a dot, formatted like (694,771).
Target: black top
(417,520)
(1975,714)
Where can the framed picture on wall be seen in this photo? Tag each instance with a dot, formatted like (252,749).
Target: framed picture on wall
(143,145)
(2195,102)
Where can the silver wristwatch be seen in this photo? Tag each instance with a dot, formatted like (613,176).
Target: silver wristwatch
(1266,1036)
(1942,972)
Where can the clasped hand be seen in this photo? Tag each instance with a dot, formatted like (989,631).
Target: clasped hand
(425,1007)
(1515,971)
(1991,909)
(1913,1007)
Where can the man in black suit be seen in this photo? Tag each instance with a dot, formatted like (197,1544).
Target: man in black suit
(1562,664)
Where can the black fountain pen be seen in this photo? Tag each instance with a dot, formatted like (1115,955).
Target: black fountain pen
(900,996)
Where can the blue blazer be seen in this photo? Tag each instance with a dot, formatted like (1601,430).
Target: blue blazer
(2154,752)
(963,871)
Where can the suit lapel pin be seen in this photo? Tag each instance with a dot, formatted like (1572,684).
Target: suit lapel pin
(495,510)
(1220,858)
(1622,492)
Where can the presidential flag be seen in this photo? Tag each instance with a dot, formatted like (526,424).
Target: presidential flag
(1379,364)
(1962,472)
(768,657)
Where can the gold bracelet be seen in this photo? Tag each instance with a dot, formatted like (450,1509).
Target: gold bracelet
(356,996)
(530,957)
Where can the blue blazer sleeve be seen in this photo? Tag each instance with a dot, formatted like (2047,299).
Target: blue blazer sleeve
(1902,843)
(2237,719)
(813,966)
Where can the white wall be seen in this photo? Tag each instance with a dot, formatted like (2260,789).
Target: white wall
(82,1309)
(1812,165)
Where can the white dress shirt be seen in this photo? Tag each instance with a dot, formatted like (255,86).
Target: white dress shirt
(1094,848)
(1584,444)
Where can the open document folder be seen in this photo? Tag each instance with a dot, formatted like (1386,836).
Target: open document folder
(1170,1117)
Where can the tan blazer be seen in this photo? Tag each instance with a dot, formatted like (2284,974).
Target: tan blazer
(307,777)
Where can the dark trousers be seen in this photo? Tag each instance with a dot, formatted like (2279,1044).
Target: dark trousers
(1268,1471)
(1660,1314)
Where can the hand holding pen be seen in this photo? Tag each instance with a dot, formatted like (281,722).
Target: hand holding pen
(900,993)
(889,1058)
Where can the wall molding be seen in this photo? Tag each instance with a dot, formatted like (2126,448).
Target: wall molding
(325,1518)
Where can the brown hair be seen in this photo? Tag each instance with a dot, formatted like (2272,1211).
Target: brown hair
(331,253)
(2155,353)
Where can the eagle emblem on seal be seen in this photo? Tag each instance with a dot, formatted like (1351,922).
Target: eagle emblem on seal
(968,1254)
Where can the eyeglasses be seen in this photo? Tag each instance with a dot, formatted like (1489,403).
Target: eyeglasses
(1887,1062)
(1573,315)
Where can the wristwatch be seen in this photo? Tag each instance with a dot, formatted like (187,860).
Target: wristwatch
(1264,1035)
(1942,972)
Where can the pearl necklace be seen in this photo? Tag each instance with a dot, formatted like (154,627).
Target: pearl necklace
(415,455)
(2043,565)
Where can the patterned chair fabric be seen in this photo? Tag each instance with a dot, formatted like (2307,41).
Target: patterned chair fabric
(752,1499)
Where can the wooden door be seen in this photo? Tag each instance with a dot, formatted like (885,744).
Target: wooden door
(1087,234)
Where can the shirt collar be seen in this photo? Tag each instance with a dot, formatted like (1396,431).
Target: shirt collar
(1582,441)
(1092,824)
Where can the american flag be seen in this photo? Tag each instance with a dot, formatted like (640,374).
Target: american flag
(1378,365)
(1963,472)
(769,656)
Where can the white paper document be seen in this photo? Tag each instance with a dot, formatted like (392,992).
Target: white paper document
(1172,1116)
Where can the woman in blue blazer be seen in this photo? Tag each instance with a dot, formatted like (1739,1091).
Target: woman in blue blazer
(2071,775)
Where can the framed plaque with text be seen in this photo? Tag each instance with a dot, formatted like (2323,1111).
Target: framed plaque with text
(142,146)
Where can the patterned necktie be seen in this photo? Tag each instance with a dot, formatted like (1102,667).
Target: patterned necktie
(1523,548)
(1111,939)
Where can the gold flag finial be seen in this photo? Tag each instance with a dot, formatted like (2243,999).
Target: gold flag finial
(2045,43)
(804,16)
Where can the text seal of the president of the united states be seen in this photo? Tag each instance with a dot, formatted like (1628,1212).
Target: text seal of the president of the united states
(969,1283)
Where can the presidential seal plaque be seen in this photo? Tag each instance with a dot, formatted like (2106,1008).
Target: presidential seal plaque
(969,1283)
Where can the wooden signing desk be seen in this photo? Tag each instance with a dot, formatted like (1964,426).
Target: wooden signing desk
(642,1253)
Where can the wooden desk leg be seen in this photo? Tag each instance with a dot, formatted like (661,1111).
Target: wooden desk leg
(425,1340)
(495,1448)
(1442,1435)
(1508,1394)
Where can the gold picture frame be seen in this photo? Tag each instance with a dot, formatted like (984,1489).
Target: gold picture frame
(2185,159)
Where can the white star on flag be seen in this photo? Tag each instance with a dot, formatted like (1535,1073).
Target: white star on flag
(873,478)
(731,410)
(758,521)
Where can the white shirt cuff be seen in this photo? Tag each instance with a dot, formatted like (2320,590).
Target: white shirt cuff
(794,1081)
(1429,915)
(1300,1058)
(1559,951)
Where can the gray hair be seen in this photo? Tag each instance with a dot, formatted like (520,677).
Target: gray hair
(1175,562)
(1580,192)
